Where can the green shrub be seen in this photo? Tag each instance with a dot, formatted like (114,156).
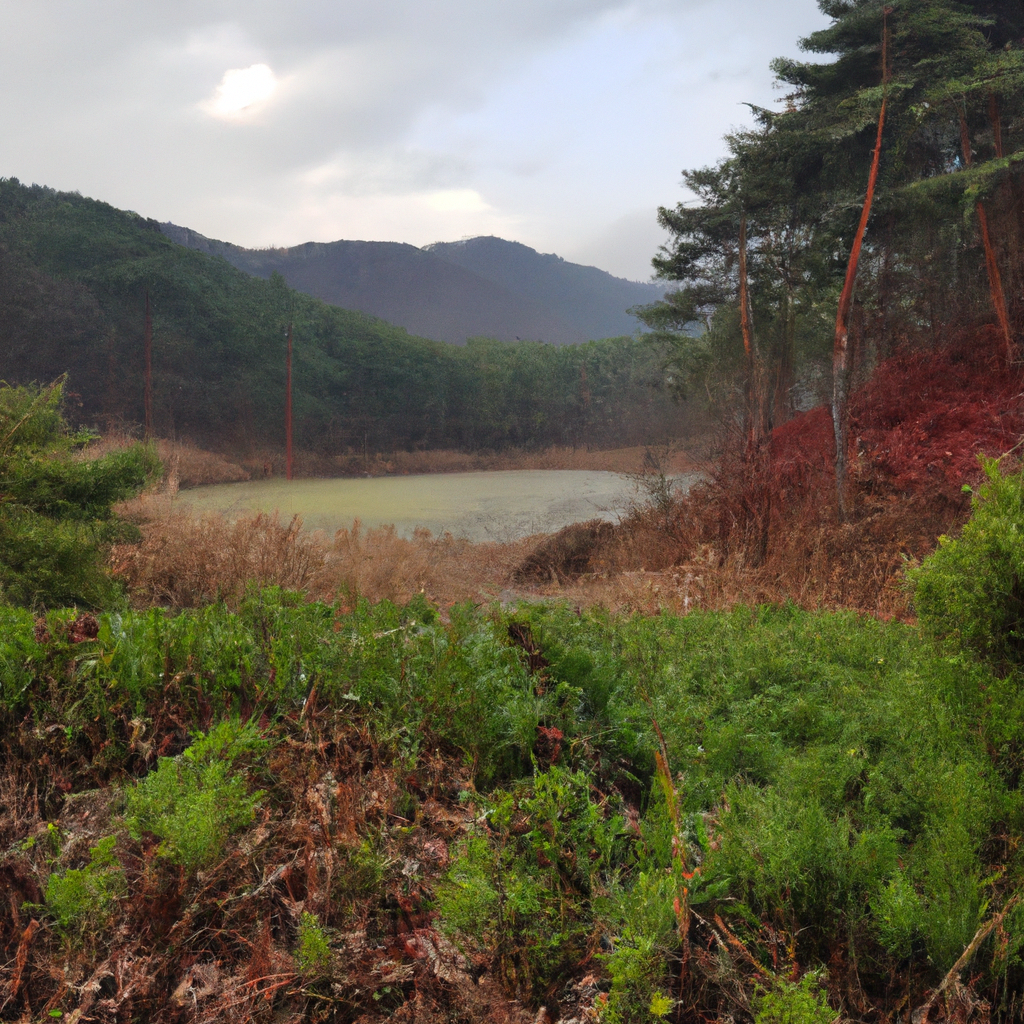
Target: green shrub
(970,591)
(528,889)
(81,897)
(195,801)
(57,516)
(313,955)
(794,1002)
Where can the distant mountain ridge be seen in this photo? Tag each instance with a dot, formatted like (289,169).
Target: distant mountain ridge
(450,291)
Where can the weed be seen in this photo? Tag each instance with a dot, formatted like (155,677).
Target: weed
(529,888)
(313,955)
(195,801)
(794,1002)
(81,897)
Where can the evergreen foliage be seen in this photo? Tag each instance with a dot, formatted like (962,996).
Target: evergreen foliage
(194,802)
(970,592)
(56,510)
(952,157)
(81,897)
(74,274)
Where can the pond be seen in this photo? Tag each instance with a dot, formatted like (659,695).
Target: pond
(498,506)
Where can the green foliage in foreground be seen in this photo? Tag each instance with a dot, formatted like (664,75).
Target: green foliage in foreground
(838,787)
(80,897)
(313,954)
(836,776)
(195,801)
(970,592)
(55,510)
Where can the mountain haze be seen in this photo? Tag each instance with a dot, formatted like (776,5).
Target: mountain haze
(450,291)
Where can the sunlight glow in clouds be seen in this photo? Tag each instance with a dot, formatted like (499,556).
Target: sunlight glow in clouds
(240,89)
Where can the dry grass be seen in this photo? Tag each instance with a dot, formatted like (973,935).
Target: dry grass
(815,562)
(185,464)
(674,559)
(184,561)
(308,464)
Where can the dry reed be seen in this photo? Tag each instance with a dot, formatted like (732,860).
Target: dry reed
(185,561)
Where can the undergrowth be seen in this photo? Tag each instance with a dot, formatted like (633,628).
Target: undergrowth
(356,810)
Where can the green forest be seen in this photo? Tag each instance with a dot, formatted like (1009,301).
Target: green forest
(779,781)
(74,276)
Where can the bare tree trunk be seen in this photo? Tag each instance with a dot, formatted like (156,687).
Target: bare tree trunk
(757,455)
(288,408)
(148,388)
(111,398)
(995,281)
(748,334)
(784,409)
(997,124)
(841,348)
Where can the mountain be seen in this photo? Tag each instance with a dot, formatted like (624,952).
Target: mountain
(450,291)
(77,276)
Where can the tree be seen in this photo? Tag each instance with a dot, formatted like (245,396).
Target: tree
(56,510)
(819,208)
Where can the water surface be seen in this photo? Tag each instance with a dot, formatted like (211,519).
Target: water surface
(481,506)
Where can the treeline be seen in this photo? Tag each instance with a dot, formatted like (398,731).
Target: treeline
(74,276)
(763,260)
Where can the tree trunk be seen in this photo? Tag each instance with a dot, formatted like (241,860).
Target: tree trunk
(288,408)
(748,335)
(757,454)
(148,387)
(995,281)
(841,347)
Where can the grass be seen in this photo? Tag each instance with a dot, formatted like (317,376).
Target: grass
(843,796)
(185,561)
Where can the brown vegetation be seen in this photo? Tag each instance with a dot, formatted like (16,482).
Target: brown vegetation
(334,838)
(185,561)
(309,464)
(918,427)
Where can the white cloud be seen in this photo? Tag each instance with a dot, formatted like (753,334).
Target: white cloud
(554,122)
(241,90)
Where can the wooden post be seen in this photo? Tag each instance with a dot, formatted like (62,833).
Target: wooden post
(148,341)
(110,403)
(288,407)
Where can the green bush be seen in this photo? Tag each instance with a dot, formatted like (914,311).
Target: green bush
(56,515)
(529,887)
(313,954)
(195,801)
(794,1002)
(970,591)
(81,897)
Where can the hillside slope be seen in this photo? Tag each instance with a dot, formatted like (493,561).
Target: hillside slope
(74,276)
(450,291)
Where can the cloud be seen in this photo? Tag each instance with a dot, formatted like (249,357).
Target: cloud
(241,90)
(558,120)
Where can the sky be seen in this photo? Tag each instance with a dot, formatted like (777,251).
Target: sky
(562,124)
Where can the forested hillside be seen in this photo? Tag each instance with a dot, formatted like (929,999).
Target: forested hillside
(450,291)
(74,275)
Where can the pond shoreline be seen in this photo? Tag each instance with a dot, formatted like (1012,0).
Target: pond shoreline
(501,505)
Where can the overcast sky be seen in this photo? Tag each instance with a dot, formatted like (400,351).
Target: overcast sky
(563,124)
